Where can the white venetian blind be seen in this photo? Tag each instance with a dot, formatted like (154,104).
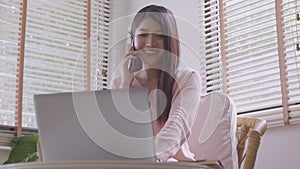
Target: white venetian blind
(11,54)
(256,41)
(252,57)
(100,26)
(55,54)
(291,17)
(212,46)
(61,53)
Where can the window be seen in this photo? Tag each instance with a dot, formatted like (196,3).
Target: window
(47,47)
(252,54)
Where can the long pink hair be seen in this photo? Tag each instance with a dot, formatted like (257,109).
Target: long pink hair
(171,44)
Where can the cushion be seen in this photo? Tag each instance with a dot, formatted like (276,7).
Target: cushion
(213,134)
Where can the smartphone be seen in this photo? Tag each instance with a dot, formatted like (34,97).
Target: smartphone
(134,64)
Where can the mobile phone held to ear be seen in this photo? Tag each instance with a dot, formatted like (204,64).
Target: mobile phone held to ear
(134,64)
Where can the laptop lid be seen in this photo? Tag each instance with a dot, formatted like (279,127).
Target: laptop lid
(95,125)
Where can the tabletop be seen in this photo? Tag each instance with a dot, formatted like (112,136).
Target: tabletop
(111,165)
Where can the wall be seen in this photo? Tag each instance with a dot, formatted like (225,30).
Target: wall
(187,17)
(280,148)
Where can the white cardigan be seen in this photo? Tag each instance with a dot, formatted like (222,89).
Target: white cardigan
(171,137)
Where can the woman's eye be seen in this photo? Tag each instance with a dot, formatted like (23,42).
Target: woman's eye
(159,36)
(155,35)
(143,35)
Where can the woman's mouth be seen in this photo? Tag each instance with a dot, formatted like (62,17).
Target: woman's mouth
(151,51)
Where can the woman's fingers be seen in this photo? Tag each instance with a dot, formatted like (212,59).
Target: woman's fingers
(126,74)
(127,59)
(130,53)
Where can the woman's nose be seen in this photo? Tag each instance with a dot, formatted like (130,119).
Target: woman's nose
(150,41)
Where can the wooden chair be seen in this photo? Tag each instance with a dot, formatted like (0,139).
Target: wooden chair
(38,149)
(250,131)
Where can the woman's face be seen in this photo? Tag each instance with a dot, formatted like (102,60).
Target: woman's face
(149,41)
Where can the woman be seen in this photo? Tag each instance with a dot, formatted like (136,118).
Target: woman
(174,93)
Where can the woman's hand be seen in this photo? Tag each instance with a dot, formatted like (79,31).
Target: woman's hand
(126,75)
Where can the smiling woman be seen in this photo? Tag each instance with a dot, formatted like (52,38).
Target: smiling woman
(174,93)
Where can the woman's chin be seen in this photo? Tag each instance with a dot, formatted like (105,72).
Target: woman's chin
(152,66)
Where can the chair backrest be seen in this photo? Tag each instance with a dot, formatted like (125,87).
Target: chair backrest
(250,131)
(213,135)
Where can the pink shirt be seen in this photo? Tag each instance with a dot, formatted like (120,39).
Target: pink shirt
(171,137)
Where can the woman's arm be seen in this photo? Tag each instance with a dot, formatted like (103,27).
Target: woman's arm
(183,112)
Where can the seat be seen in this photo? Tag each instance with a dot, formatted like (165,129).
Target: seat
(218,134)
(250,131)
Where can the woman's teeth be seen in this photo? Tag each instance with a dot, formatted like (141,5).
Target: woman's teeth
(150,52)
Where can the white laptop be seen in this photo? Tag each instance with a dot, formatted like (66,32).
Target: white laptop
(95,125)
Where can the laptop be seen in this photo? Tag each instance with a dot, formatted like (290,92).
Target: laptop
(95,125)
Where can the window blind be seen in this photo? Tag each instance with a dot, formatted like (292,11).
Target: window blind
(61,53)
(257,50)
(100,26)
(291,28)
(55,51)
(252,57)
(12,23)
(213,73)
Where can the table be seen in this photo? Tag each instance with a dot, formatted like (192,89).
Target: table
(111,165)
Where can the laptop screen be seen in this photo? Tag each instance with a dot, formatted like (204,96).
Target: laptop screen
(95,125)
